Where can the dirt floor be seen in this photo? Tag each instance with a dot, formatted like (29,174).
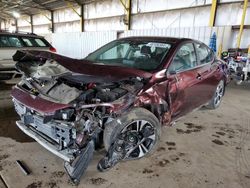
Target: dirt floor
(204,149)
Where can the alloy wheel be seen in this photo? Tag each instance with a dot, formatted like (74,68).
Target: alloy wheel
(219,93)
(137,139)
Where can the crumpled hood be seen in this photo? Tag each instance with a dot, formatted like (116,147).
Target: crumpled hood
(79,66)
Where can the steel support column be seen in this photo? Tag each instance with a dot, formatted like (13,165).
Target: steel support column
(127,4)
(52,22)
(31,24)
(16,25)
(82,18)
(213,12)
(242,23)
(129,14)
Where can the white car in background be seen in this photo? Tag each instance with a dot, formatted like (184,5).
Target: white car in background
(10,43)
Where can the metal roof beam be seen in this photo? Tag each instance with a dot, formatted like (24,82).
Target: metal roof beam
(41,5)
(27,6)
(78,2)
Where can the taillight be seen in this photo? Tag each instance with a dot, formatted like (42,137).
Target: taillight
(52,49)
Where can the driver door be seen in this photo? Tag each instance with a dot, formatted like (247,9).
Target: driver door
(183,81)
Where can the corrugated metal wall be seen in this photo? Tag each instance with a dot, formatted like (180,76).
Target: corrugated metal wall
(189,18)
(224,34)
(79,45)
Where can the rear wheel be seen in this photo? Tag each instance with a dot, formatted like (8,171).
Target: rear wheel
(217,98)
(137,133)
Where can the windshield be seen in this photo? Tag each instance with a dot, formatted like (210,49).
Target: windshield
(143,55)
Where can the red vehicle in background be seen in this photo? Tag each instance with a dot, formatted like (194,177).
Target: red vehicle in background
(118,96)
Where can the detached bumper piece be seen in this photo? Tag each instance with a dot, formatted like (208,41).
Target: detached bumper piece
(77,168)
(113,156)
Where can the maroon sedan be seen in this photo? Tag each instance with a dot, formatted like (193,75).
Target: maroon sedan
(118,96)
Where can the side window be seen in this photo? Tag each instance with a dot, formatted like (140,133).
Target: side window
(4,42)
(10,41)
(210,55)
(33,42)
(184,59)
(40,43)
(204,53)
(27,42)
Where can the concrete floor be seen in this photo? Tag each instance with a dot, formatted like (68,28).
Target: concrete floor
(204,149)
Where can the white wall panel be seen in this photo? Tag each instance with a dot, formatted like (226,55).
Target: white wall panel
(153,5)
(103,9)
(66,15)
(41,29)
(106,24)
(176,18)
(79,45)
(48,37)
(23,21)
(2,25)
(199,33)
(66,27)
(202,16)
(25,29)
(10,25)
(228,15)
(41,19)
(245,39)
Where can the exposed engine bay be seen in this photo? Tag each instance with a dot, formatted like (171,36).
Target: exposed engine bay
(71,133)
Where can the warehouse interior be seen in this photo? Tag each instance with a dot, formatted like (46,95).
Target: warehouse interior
(204,148)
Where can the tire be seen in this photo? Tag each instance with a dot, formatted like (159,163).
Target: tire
(113,130)
(217,97)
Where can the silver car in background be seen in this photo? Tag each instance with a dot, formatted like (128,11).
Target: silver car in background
(10,43)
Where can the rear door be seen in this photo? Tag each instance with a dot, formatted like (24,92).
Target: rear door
(183,81)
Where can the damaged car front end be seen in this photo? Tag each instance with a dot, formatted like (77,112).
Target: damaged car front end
(66,111)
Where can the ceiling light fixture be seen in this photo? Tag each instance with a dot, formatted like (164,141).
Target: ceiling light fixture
(16,14)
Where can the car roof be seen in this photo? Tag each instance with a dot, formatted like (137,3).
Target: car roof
(22,34)
(156,38)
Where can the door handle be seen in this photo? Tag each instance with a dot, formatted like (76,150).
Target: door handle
(198,77)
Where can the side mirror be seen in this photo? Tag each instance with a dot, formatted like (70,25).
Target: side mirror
(171,72)
(171,75)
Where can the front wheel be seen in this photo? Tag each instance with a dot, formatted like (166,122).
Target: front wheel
(217,97)
(135,133)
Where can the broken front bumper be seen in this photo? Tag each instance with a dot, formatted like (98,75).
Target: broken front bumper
(64,154)
(54,136)
(75,165)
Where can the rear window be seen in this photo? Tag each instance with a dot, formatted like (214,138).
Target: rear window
(34,42)
(10,41)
